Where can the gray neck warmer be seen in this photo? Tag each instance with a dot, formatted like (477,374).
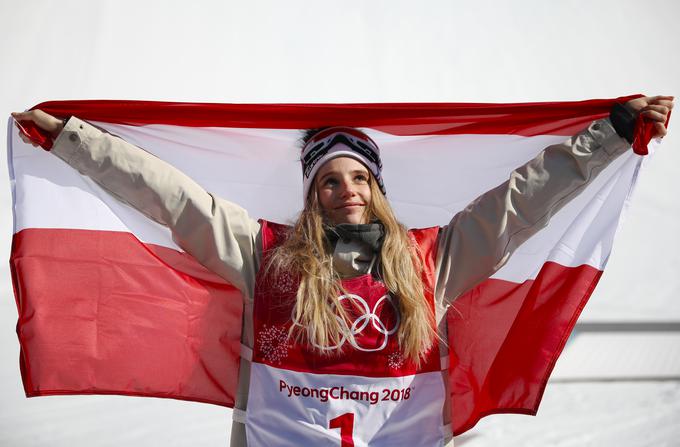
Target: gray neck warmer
(356,248)
(370,235)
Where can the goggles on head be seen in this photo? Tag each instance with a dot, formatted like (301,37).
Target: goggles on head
(319,145)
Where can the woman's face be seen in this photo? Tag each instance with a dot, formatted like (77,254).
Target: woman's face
(342,185)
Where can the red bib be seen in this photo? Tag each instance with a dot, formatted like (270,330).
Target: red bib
(362,390)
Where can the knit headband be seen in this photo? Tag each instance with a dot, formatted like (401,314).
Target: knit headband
(339,142)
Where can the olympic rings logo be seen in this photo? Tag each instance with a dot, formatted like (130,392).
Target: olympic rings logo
(367,316)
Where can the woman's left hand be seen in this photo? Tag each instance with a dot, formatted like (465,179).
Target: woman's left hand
(655,109)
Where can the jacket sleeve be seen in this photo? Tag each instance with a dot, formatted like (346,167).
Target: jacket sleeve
(218,233)
(480,239)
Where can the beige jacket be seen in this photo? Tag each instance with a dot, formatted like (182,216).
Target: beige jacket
(220,235)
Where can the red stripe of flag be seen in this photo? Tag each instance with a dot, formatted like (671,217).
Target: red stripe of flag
(100,312)
(527,119)
(106,305)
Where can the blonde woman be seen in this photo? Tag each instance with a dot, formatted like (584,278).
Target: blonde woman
(356,299)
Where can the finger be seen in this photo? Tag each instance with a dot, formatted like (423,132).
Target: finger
(654,115)
(664,102)
(27,140)
(22,130)
(661,100)
(20,116)
(660,129)
(659,97)
(658,108)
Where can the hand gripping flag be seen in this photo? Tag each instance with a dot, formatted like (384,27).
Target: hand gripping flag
(108,304)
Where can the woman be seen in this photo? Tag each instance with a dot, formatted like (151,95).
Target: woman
(340,311)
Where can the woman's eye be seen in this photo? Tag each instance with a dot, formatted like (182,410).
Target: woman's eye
(330,182)
(361,178)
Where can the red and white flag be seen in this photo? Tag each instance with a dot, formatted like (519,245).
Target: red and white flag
(108,304)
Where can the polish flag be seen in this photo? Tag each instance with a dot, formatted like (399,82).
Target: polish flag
(108,304)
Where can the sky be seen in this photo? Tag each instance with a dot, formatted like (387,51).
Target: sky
(349,51)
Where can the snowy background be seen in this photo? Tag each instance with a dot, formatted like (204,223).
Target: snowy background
(618,381)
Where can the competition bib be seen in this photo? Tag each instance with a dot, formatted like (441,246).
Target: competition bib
(361,392)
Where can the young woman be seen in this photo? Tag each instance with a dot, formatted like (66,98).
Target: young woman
(346,305)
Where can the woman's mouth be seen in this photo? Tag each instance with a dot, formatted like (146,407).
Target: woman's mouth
(349,205)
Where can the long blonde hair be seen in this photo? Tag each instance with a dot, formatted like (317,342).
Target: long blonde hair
(307,254)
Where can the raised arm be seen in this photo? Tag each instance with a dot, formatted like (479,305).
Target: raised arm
(480,239)
(218,233)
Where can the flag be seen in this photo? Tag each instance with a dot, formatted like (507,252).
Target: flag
(108,304)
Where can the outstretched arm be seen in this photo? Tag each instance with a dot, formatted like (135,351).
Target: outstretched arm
(218,233)
(480,239)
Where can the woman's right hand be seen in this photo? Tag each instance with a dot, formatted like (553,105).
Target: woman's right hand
(44,121)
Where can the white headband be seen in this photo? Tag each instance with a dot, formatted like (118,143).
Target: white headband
(339,142)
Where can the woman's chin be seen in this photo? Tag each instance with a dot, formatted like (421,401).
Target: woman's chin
(351,217)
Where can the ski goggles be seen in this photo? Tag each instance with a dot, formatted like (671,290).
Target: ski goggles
(320,146)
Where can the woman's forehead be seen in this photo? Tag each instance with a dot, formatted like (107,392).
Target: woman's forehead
(341,163)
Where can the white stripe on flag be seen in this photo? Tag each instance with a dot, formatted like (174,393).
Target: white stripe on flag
(260,167)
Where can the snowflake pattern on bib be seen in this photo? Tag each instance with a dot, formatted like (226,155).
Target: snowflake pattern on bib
(284,284)
(395,360)
(274,343)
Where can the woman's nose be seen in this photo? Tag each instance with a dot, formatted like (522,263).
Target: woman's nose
(346,189)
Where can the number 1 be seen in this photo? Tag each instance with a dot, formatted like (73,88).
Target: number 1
(345,422)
